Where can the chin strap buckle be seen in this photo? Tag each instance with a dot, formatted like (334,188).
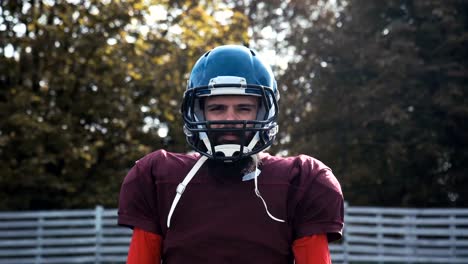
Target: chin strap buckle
(180,188)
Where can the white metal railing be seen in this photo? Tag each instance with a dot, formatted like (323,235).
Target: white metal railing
(389,235)
(371,235)
(68,236)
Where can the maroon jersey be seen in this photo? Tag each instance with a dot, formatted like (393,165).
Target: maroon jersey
(220,219)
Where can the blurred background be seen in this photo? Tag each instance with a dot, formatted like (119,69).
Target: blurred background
(377,90)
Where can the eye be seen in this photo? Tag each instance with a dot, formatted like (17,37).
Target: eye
(246,108)
(214,108)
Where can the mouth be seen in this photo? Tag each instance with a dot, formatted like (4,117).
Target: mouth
(228,138)
(232,137)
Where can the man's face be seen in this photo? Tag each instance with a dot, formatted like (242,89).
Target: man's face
(230,108)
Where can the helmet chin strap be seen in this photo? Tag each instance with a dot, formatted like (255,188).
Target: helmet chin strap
(228,150)
(256,190)
(206,140)
(259,195)
(181,187)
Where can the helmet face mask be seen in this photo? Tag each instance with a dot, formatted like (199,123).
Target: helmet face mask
(230,70)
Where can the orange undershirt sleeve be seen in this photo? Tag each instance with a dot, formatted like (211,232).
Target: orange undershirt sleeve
(312,249)
(145,248)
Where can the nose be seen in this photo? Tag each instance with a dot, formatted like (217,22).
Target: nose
(231,115)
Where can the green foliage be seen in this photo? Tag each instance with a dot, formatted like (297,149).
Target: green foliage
(377,91)
(85,88)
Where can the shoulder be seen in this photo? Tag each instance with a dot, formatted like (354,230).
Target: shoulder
(160,161)
(302,170)
(299,161)
(163,157)
(300,164)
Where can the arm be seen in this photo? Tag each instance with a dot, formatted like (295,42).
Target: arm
(145,248)
(312,250)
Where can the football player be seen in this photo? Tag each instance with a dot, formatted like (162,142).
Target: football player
(230,201)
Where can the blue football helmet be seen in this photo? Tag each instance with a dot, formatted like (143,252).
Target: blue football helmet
(230,70)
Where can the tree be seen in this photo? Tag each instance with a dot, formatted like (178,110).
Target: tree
(376,90)
(88,87)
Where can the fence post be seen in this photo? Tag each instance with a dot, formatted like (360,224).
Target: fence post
(39,234)
(410,237)
(453,233)
(98,228)
(380,246)
(345,235)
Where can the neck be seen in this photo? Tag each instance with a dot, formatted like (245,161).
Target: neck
(231,170)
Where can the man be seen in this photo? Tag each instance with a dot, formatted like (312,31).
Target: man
(230,202)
